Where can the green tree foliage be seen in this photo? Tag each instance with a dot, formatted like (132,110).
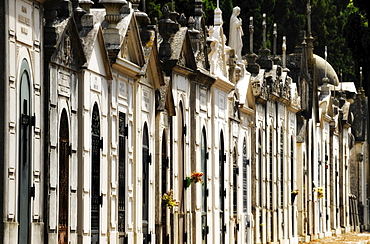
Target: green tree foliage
(328,21)
(358,38)
(153,8)
(341,25)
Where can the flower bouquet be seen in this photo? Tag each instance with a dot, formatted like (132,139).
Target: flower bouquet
(195,177)
(168,199)
(320,192)
(295,192)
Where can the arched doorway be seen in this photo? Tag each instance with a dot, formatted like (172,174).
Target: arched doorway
(181,174)
(260,188)
(96,198)
(24,205)
(245,188)
(292,186)
(164,158)
(145,184)
(222,160)
(63,178)
(204,157)
(235,193)
(122,133)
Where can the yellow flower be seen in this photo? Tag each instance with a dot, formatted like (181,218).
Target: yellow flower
(168,199)
(320,192)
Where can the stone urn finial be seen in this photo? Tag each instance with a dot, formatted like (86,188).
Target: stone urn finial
(85,5)
(112,8)
(182,20)
(111,34)
(165,30)
(87,20)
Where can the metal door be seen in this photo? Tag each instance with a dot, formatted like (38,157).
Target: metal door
(96,199)
(145,185)
(64,150)
(24,206)
(122,176)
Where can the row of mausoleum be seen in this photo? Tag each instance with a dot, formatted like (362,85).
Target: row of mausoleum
(120,130)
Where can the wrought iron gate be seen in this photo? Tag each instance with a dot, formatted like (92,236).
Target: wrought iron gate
(95,175)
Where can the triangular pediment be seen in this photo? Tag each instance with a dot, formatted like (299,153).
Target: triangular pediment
(98,60)
(181,49)
(153,67)
(131,49)
(69,49)
(164,97)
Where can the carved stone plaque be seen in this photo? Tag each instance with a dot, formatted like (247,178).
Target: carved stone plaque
(24,22)
(203,98)
(146,101)
(63,84)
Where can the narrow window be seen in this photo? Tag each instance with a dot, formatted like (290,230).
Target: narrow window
(222,159)
(64,150)
(121,173)
(204,157)
(271,137)
(245,182)
(271,179)
(260,184)
(145,184)
(24,207)
(235,183)
(95,174)
(260,170)
(292,178)
(181,173)
(165,165)
(282,168)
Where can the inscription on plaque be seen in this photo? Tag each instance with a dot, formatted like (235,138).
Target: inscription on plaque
(24,22)
(292,119)
(146,101)
(221,105)
(203,98)
(95,83)
(122,89)
(63,84)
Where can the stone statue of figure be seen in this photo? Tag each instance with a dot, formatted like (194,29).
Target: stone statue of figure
(236,33)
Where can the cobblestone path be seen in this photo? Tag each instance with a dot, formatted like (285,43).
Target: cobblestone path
(349,238)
